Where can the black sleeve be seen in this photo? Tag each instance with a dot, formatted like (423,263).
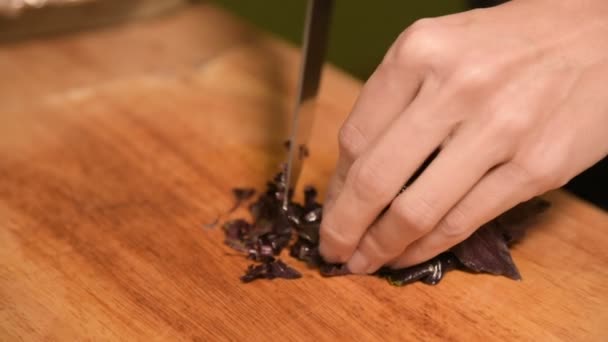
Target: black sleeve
(484,3)
(592,184)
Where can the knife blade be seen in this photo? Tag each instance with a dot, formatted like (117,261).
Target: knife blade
(314,45)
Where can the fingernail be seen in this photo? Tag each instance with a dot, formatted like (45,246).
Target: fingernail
(358,263)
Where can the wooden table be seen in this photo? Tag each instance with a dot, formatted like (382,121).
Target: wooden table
(117,146)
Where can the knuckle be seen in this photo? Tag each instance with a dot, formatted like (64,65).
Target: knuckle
(472,77)
(455,224)
(548,178)
(413,215)
(421,24)
(511,125)
(369,183)
(350,141)
(541,172)
(540,179)
(420,42)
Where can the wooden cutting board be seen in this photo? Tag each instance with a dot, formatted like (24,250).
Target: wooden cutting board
(118,146)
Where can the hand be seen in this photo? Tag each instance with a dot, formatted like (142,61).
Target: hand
(515,96)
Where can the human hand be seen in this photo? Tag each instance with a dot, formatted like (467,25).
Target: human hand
(514,95)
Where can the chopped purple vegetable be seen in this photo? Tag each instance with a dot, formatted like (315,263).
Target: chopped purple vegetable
(270,270)
(487,250)
(235,233)
(243,194)
(430,272)
(333,270)
(240,196)
(273,229)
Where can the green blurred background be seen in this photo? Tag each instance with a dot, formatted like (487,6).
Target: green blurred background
(361,31)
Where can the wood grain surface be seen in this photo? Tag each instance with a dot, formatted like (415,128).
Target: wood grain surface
(118,145)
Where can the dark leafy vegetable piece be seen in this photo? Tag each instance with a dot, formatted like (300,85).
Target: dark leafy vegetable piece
(282,270)
(333,270)
(270,270)
(237,229)
(430,272)
(514,223)
(235,233)
(243,194)
(306,251)
(267,245)
(272,230)
(240,196)
(487,250)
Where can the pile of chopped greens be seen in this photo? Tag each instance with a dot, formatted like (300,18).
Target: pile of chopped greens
(273,229)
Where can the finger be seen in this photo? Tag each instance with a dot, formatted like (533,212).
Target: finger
(336,182)
(415,212)
(501,189)
(377,176)
(386,94)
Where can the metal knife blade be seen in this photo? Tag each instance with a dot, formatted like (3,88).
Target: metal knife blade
(316,32)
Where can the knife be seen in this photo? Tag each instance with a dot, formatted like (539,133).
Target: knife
(314,45)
